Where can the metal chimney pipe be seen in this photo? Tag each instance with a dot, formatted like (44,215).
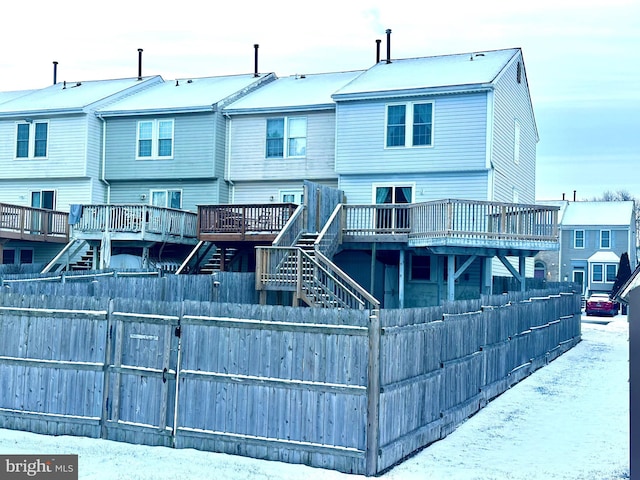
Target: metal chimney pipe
(378,50)
(55,72)
(255,59)
(574,195)
(388,32)
(139,64)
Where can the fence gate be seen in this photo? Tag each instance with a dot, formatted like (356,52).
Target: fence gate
(140,384)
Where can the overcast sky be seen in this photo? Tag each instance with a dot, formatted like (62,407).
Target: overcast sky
(581,57)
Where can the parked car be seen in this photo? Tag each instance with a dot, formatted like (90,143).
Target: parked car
(601,304)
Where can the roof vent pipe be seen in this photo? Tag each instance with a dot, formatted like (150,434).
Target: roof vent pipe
(378,50)
(574,195)
(55,72)
(388,32)
(255,59)
(139,64)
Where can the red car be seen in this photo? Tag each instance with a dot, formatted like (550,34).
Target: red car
(601,304)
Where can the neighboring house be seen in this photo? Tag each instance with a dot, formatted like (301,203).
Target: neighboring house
(51,150)
(282,134)
(593,236)
(167,146)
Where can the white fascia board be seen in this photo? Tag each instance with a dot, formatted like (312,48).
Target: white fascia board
(158,111)
(298,108)
(413,92)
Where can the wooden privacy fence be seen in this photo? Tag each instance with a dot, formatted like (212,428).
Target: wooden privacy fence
(337,389)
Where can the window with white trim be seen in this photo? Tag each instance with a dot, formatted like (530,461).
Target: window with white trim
(605,238)
(155,139)
(18,256)
(286,137)
(597,270)
(578,239)
(166,198)
(409,125)
(32,139)
(611,272)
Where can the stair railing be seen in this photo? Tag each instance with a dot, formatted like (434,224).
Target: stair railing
(331,235)
(292,230)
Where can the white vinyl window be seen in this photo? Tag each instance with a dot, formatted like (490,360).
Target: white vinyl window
(409,125)
(155,139)
(286,137)
(32,139)
(578,239)
(605,238)
(166,198)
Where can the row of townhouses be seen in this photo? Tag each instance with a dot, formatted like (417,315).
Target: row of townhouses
(405,184)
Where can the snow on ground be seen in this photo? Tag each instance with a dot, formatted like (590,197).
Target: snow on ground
(569,420)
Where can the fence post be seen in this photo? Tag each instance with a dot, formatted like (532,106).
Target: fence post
(106,381)
(373,395)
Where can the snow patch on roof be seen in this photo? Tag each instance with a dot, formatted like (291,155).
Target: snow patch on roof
(431,72)
(604,256)
(8,96)
(294,92)
(599,213)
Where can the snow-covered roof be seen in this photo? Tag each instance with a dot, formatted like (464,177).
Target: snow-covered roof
(69,97)
(185,95)
(447,72)
(599,213)
(8,96)
(296,92)
(604,256)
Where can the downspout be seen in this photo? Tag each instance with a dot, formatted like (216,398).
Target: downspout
(104,158)
(227,168)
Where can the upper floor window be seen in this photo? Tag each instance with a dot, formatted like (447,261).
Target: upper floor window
(166,198)
(578,239)
(31,139)
(291,129)
(155,139)
(605,238)
(409,125)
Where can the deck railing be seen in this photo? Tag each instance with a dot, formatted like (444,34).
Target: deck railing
(244,219)
(137,219)
(459,219)
(33,223)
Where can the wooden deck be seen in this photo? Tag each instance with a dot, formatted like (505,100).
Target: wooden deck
(243,223)
(33,224)
(137,223)
(454,223)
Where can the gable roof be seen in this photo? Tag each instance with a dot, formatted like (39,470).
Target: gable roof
(599,214)
(446,73)
(70,97)
(632,282)
(186,95)
(296,92)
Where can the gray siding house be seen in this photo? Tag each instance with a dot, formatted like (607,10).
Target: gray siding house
(282,134)
(51,154)
(593,236)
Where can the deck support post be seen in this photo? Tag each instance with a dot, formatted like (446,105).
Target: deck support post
(374,249)
(401,269)
(451,281)
(487,274)
(523,271)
